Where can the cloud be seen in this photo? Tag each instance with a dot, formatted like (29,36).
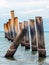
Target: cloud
(48,6)
(3,3)
(27,4)
(4,14)
(16,3)
(32,11)
(23,8)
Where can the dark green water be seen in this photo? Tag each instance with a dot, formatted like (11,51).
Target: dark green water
(22,56)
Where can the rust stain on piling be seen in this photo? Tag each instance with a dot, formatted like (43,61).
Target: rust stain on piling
(6,30)
(16,24)
(6,27)
(12,24)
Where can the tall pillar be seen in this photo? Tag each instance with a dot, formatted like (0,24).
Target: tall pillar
(9,29)
(12,23)
(11,51)
(26,37)
(16,26)
(21,26)
(6,30)
(40,37)
(33,35)
(12,14)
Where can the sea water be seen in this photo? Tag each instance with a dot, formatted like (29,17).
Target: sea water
(22,56)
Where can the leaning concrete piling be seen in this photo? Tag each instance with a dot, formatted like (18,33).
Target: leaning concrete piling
(33,35)
(40,36)
(11,51)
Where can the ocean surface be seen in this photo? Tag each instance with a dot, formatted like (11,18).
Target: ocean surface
(22,56)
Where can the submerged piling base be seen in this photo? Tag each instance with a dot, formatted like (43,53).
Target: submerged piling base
(6,35)
(22,43)
(9,38)
(34,48)
(42,52)
(27,46)
(12,39)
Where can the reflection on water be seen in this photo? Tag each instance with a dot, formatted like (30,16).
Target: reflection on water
(11,58)
(22,56)
(34,52)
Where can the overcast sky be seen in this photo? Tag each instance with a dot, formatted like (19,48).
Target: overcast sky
(24,10)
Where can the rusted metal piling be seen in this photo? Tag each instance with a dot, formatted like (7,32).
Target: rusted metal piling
(11,51)
(6,30)
(40,36)
(26,37)
(33,35)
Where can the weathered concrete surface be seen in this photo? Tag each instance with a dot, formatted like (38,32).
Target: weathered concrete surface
(12,24)
(26,37)
(6,30)
(33,35)
(11,51)
(8,24)
(16,26)
(21,26)
(40,36)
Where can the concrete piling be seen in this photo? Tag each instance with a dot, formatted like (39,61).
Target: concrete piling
(30,35)
(10,30)
(6,30)
(33,35)
(21,26)
(12,25)
(16,26)
(26,37)
(40,36)
(11,51)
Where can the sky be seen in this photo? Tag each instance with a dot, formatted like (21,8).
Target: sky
(24,10)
